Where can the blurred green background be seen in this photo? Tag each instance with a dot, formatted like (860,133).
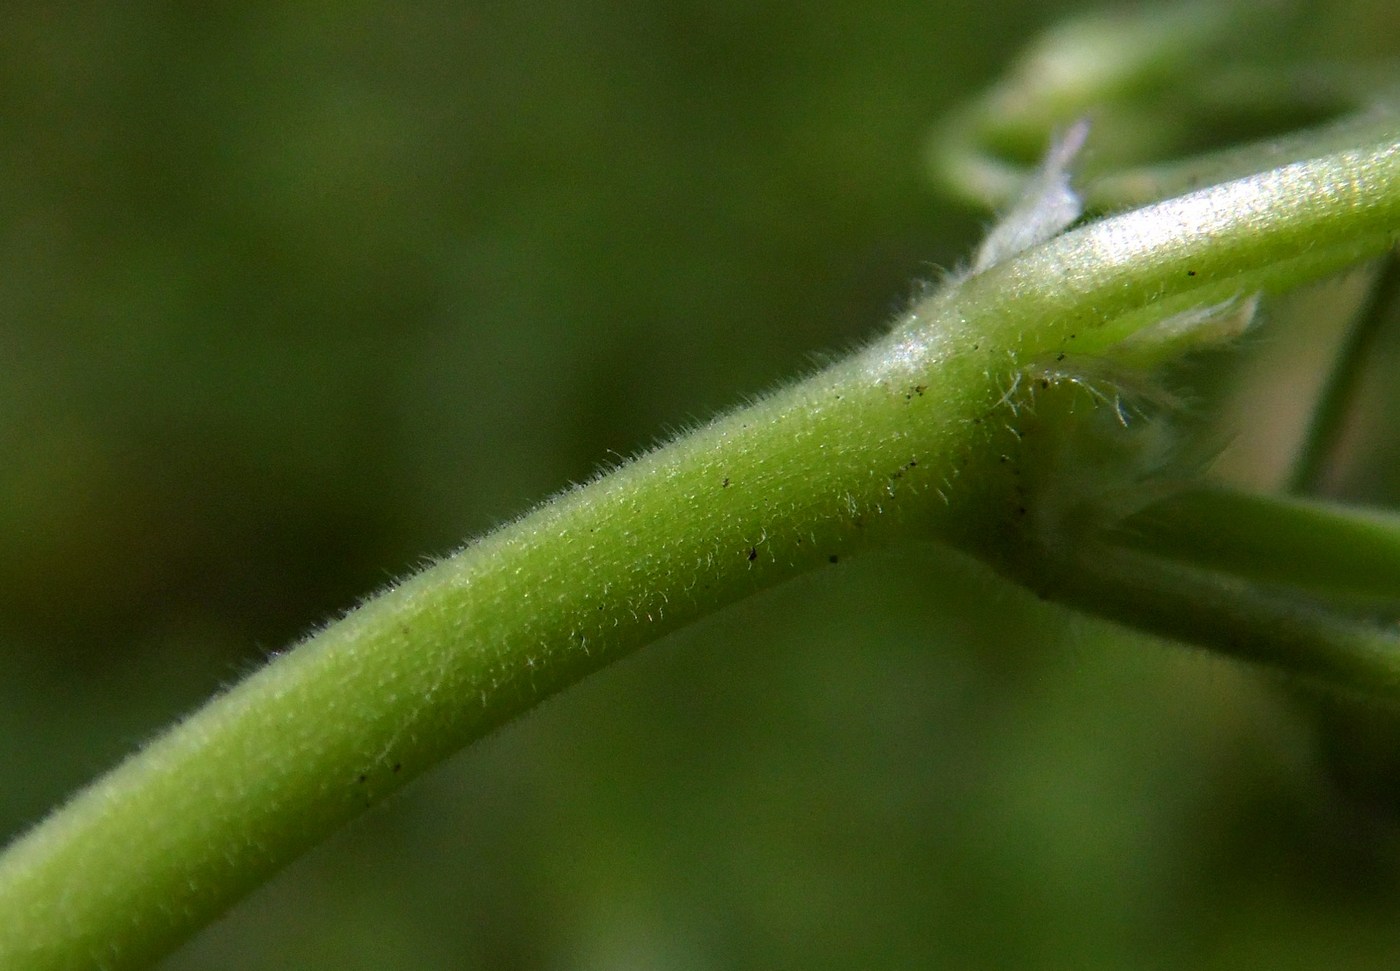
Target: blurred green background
(292,296)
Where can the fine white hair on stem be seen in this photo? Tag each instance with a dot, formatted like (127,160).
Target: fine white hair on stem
(1046,207)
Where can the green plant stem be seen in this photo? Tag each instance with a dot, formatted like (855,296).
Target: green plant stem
(1339,552)
(1229,615)
(1344,383)
(1309,588)
(896,440)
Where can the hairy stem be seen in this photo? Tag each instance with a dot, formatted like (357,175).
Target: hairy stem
(892,441)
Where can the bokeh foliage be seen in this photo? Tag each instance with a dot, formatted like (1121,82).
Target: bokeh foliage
(291,297)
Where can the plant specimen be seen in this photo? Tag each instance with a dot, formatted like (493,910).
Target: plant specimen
(1027,411)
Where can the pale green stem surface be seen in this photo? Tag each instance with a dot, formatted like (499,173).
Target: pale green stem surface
(901,438)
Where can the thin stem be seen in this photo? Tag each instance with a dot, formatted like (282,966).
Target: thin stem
(1344,383)
(1340,552)
(890,442)
(1292,635)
